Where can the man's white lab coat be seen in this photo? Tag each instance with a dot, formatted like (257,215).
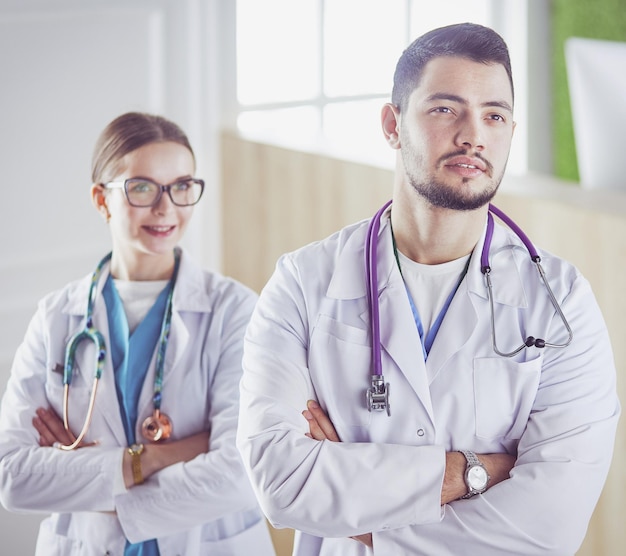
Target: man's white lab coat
(556,409)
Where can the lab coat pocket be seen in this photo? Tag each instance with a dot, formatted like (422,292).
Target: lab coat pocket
(504,393)
(339,362)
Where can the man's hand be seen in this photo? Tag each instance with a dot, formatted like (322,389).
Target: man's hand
(321,428)
(498,466)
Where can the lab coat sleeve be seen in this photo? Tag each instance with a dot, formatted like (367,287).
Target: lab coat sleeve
(322,488)
(563,458)
(213,484)
(36,479)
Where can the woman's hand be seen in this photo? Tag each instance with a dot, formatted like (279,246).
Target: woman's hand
(159,455)
(51,430)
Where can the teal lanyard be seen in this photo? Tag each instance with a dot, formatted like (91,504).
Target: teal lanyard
(428,339)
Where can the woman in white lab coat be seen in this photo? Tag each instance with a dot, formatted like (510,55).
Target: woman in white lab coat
(122,490)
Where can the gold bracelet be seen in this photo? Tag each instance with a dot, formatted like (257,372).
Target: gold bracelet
(135,451)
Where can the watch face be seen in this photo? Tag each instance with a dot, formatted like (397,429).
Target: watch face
(477,477)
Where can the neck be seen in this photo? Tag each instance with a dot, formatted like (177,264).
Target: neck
(142,267)
(431,235)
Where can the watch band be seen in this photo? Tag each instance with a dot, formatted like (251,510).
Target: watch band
(472,463)
(135,451)
(471,457)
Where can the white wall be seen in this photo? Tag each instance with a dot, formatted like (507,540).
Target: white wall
(68,68)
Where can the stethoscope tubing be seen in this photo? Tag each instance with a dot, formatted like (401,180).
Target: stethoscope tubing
(372,288)
(90,333)
(378,386)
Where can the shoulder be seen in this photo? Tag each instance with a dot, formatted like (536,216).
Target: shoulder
(202,290)
(69,299)
(507,240)
(321,256)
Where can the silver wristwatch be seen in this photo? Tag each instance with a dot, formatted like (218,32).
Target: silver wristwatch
(476,476)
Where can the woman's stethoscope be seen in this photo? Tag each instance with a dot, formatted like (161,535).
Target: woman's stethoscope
(377,395)
(156,427)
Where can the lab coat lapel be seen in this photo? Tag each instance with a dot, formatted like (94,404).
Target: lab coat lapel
(455,331)
(398,332)
(461,319)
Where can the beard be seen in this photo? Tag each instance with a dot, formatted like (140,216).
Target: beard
(442,195)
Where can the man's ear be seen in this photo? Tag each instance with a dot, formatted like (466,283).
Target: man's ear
(98,198)
(390,120)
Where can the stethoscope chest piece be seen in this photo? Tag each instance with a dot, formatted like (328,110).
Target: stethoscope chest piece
(157,427)
(378,395)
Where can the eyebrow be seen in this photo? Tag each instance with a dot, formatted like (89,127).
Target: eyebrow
(455,98)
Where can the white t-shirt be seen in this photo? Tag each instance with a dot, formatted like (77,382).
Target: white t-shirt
(138,298)
(430,285)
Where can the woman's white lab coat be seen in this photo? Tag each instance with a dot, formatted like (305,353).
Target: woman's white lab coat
(556,409)
(205,506)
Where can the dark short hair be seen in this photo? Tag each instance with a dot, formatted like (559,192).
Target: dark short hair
(465,40)
(127,133)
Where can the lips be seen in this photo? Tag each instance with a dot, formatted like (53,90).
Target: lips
(159,230)
(468,162)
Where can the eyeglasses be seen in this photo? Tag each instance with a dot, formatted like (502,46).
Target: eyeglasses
(142,192)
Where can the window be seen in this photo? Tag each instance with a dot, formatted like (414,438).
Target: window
(313,74)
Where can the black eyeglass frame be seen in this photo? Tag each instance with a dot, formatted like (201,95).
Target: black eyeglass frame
(124,186)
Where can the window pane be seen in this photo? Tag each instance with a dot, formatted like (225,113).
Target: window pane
(277,50)
(353,130)
(291,127)
(427,15)
(362,41)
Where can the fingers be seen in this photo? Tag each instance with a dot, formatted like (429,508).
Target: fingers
(315,431)
(320,426)
(366,539)
(50,428)
(46,438)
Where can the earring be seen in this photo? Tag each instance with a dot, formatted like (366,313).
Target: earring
(107,214)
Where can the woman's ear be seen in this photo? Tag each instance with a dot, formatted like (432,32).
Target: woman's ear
(98,198)
(390,120)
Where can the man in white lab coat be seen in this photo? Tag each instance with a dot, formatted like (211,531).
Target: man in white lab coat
(465,445)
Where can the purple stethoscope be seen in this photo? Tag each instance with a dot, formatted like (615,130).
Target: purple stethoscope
(377,395)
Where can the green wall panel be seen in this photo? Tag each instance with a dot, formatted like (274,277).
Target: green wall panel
(596,19)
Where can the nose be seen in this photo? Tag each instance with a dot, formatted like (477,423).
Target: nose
(164,205)
(469,133)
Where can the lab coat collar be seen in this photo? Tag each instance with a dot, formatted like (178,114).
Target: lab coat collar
(189,294)
(349,280)
(504,259)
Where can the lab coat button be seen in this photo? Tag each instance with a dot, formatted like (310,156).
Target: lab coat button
(420,432)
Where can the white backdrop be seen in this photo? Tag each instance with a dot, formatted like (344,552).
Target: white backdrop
(66,69)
